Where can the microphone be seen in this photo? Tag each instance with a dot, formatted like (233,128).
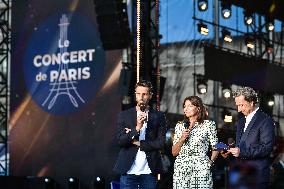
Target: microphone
(231,142)
(143,106)
(186,124)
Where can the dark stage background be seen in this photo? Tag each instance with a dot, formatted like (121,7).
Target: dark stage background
(62,126)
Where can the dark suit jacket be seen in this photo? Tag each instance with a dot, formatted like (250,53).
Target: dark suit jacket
(256,143)
(154,140)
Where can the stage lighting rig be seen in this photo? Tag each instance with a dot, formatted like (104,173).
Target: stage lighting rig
(202,5)
(249,41)
(49,183)
(226,9)
(269,47)
(248,18)
(226,34)
(73,183)
(270,100)
(202,28)
(226,90)
(227,116)
(269,24)
(99,183)
(202,85)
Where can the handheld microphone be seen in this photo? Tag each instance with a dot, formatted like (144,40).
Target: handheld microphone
(143,106)
(231,142)
(186,125)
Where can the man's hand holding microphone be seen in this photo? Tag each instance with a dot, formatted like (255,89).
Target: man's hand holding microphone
(140,120)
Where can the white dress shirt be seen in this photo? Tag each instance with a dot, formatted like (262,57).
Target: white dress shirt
(140,165)
(249,117)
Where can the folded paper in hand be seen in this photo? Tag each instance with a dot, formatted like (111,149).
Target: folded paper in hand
(221,146)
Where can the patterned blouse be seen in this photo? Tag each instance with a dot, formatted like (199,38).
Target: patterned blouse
(192,167)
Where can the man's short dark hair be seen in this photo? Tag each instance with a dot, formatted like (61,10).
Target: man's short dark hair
(144,83)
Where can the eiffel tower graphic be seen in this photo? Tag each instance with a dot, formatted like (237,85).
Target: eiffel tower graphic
(63,87)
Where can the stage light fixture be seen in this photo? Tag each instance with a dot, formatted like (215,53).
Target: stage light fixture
(202,88)
(202,5)
(227,36)
(226,9)
(249,42)
(73,183)
(202,28)
(99,183)
(202,85)
(48,183)
(227,116)
(270,26)
(269,48)
(226,90)
(270,100)
(266,102)
(46,180)
(248,19)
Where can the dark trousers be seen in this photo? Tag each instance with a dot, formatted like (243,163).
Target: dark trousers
(146,181)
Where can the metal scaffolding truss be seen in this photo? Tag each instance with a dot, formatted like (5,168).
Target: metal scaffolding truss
(5,33)
(150,39)
(267,44)
(150,46)
(148,51)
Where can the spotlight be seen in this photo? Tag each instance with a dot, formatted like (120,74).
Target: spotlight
(201,84)
(266,102)
(269,48)
(270,100)
(226,9)
(227,116)
(248,19)
(202,5)
(269,24)
(98,179)
(227,36)
(73,183)
(48,183)
(202,28)
(99,183)
(226,90)
(249,42)
(202,88)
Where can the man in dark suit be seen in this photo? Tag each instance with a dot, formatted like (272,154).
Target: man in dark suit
(141,136)
(255,135)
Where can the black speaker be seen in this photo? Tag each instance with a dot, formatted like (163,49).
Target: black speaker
(113,23)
